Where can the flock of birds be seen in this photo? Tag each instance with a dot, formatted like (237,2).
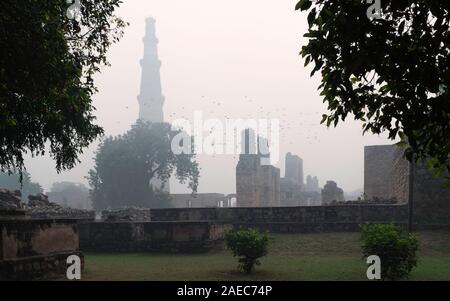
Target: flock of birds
(292,124)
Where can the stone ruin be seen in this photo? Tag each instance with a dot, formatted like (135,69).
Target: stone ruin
(10,200)
(293,190)
(291,186)
(388,177)
(36,238)
(387,180)
(196,229)
(260,185)
(257,184)
(386,173)
(39,206)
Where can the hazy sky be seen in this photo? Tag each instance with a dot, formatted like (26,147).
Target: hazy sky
(236,59)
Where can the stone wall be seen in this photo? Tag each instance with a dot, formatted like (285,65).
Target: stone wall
(247,180)
(34,249)
(387,176)
(175,236)
(399,177)
(200,229)
(126,214)
(378,161)
(269,194)
(292,219)
(306,214)
(329,218)
(431,198)
(256,185)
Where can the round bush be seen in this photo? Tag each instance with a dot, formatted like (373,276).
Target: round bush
(396,248)
(249,245)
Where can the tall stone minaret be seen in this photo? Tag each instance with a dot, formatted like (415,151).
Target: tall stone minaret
(151,99)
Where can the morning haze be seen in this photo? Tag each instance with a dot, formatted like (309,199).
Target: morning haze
(233,59)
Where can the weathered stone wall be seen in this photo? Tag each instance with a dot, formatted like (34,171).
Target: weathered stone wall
(31,249)
(378,161)
(194,236)
(54,211)
(292,219)
(399,177)
(289,228)
(126,214)
(269,194)
(306,214)
(386,173)
(247,180)
(431,198)
(256,185)
(387,176)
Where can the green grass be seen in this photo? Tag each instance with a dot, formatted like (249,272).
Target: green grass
(325,256)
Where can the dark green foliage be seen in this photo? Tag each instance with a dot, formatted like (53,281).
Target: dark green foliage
(27,187)
(124,166)
(249,245)
(395,247)
(47,63)
(392,73)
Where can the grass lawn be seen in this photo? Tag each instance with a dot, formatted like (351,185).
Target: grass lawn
(324,256)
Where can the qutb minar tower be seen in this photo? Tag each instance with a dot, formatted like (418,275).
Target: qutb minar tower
(150,98)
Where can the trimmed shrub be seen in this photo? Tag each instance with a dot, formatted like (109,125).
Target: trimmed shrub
(249,245)
(396,248)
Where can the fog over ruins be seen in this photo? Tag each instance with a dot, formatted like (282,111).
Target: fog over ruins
(240,69)
(191,141)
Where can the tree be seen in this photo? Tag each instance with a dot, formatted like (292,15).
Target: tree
(27,187)
(47,63)
(125,165)
(392,73)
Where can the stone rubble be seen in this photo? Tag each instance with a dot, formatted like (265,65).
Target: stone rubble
(126,214)
(38,200)
(40,207)
(52,210)
(10,200)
